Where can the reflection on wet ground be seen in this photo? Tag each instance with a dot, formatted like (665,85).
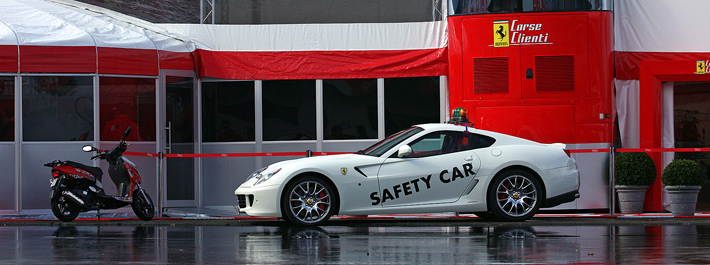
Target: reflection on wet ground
(355,245)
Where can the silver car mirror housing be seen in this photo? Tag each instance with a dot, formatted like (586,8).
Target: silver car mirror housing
(404,151)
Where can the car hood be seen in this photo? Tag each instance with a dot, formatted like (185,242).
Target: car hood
(329,165)
(316,159)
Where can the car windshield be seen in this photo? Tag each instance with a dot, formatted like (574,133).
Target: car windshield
(383,146)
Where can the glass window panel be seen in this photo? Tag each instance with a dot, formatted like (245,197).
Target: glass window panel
(7,108)
(350,109)
(445,142)
(691,123)
(228,111)
(57,108)
(411,101)
(179,115)
(289,110)
(127,102)
(179,110)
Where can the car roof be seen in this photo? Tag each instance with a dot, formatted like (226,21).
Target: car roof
(443,126)
(455,127)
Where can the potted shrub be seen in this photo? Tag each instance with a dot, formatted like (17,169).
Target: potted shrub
(683,178)
(633,173)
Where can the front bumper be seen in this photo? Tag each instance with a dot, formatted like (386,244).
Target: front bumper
(262,201)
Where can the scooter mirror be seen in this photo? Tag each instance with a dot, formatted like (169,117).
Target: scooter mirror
(87,148)
(126,133)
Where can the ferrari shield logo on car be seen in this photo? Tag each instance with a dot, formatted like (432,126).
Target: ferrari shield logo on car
(344,171)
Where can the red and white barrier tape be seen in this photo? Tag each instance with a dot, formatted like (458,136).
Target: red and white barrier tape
(236,154)
(573,151)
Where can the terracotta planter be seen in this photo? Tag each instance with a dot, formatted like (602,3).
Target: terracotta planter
(683,199)
(631,197)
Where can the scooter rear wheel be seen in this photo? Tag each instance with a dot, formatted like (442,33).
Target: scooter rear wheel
(64,209)
(142,205)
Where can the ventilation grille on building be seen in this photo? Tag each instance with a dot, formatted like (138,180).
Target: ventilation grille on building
(554,73)
(490,75)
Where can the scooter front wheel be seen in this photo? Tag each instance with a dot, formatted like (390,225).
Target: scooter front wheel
(142,205)
(64,209)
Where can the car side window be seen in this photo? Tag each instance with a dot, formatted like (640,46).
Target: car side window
(475,141)
(446,142)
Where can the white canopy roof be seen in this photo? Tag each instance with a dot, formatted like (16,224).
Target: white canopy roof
(69,36)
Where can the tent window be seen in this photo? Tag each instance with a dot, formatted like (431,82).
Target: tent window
(57,108)
(127,102)
(350,109)
(228,111)
(289,110)
(411,101)
(7,108)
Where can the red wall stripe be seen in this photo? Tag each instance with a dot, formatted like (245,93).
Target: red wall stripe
(8,58)
(322,64)
(228,65)
(127,61)
(57,59)
(177,60)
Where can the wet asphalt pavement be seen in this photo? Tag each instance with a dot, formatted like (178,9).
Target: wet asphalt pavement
(358,241)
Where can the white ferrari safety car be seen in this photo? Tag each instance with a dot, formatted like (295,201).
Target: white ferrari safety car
(427,168)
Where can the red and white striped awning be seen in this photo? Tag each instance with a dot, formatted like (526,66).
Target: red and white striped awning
(56,36)
(318,51)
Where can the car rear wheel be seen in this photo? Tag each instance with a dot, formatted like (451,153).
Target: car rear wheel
(514,195)
(308,201)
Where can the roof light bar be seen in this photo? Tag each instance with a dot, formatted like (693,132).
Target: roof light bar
(459,116)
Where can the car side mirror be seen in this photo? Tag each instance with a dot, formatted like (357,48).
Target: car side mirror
(404,151)
(87,148)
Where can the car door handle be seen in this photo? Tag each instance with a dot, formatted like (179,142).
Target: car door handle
(470,158)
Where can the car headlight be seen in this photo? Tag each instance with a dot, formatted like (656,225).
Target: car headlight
(257,172)
(262,175)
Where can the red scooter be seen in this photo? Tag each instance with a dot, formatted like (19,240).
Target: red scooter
(77,187)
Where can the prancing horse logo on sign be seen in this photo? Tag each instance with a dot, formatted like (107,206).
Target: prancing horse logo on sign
(344,171)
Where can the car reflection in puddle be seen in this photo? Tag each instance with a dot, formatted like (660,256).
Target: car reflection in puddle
(356,244)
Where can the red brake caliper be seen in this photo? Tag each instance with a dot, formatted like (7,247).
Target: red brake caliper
(321,195)
(504,195)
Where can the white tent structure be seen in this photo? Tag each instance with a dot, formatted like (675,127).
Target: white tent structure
(70,37)
(57,60)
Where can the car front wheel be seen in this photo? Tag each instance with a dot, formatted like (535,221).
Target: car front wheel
(515,195)
(308,201)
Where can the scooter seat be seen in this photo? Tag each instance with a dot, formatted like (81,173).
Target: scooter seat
(96,171)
